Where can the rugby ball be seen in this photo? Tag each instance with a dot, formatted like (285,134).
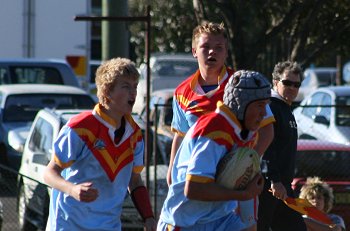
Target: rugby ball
(237,168)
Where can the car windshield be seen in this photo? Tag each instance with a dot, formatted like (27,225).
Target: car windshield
(33,75)
(323,163)
(24,107)
(174,68)
(326,78)
(343,111)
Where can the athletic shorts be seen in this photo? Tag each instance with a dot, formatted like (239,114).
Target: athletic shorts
(248,211)
(231,222)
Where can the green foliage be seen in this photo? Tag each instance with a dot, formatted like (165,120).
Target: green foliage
(172,23)
(262,32)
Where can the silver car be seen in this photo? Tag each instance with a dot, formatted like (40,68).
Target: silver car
(167,71)
(325,115)
(37,71)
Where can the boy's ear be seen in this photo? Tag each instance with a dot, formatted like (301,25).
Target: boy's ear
(194,53)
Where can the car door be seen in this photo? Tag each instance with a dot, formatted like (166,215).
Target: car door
(305,119)
(320,127)
(36,156)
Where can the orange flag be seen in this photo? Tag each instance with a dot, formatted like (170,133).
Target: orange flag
(303,206)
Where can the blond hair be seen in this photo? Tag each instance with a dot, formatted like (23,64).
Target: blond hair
(208,28)
(109,72)
(315,186)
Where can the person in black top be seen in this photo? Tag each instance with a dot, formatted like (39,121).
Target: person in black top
(279,159)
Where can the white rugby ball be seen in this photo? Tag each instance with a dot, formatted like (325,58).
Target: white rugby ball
(237,168)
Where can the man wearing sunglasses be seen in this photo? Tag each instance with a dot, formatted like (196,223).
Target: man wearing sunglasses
(279,159)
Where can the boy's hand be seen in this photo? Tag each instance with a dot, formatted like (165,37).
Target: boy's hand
(84,192)
(279,191)
(255,186)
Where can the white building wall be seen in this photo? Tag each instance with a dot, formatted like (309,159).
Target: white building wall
(11,28)
(55,33)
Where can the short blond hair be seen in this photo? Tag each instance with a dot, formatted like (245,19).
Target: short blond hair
(208,28)
(109,72)
(315,186)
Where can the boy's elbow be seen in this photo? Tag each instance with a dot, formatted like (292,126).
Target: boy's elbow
(190,191)
(46,176)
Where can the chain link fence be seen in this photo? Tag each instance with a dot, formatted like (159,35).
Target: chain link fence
(315,158)
(15,204)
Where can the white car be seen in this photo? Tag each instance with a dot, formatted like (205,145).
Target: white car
(33,197)
(167,71)
(325,115)
(19,103)
(314,78)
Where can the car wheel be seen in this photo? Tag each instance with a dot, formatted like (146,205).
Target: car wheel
(22,209)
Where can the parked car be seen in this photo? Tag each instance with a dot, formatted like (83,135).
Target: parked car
(330,161)
(325,115)
(167,71)
(162,99)
(314,78)
(19,104)
(37,71)
(34,194)
(94,64)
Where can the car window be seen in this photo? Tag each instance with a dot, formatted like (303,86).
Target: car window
(168,117)
(326,78)
(325,164)
(306,80)
(33,75)
(343,111)
(174,68)
(311,107)
(41,138)
(153,100)
(326,108)
(24,107)
(4,76)
(93,69)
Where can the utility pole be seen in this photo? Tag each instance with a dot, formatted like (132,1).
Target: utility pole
(115,35)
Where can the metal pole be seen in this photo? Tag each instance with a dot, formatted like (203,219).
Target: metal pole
(155,155)
(147,51)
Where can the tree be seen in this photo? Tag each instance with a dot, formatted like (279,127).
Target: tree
(261,32)
(265,32)
(172,24)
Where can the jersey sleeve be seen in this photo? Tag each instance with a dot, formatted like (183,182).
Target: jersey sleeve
(139,156)
(179,123)
(206,154)
(67,147)
(269,117)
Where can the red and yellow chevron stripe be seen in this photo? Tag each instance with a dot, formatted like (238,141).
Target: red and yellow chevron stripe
(303,206)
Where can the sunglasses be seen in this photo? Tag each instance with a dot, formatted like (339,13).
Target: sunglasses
(289,83)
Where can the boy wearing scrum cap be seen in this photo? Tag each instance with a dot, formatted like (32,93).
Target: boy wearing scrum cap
(195,201)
